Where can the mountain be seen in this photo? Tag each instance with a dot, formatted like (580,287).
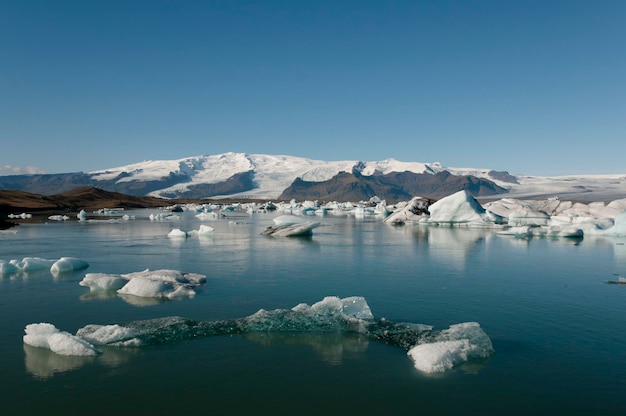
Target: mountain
(393,186)
(74,200)
(259,176)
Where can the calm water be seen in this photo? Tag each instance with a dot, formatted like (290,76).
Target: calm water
(558,330)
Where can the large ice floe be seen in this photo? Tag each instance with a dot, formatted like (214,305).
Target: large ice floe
(431,351)
(33,264)
(164,283)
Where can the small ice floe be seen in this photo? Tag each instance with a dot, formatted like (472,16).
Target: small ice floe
(164,283)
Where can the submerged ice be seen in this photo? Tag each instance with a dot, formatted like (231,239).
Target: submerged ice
(431,351)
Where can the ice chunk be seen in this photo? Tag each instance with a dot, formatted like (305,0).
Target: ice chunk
(103,282)
(414,211)
(439,356)
(204,231)
(207,216)
(45,335)
(7,268)
(161,284)
(68,264)
(295,230)
(450,347)
(461,208)
(115,335)
(145,287)
(31,264)
(177,233)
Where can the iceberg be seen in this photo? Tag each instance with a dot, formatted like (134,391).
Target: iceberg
(177,233)
(450,347)
(294,230)
(203,231)
(415,210)
(67,264)
(45,335)
(7,268)
(103,282)
(33,264)
(431,351)
(164,283)
(462,208)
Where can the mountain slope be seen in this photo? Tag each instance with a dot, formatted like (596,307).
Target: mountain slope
(258,176)
(394,186)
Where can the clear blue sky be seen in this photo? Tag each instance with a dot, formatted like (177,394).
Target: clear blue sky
(533,87)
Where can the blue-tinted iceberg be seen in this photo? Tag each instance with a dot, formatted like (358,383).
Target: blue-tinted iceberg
(431,351)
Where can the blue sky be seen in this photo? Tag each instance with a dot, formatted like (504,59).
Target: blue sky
(533,87)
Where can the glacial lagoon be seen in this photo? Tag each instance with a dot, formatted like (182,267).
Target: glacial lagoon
(556,327)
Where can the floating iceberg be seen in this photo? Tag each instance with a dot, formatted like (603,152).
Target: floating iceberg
(45,335)
(431,351)
(67,264)
(293,230)
(203,231)
(33,264)
(462,208)
(415,210)
(450,347)
(164,283)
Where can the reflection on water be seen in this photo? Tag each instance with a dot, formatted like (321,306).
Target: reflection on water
(43,363)
(331,346)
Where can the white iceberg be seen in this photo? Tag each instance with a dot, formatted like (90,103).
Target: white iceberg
(103,282)
(453,346)
(162,283)
(45,335)
(415,210)
(67,264)
(177,233)
(203,231)
(294,230)
(31,264)
(462,208)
